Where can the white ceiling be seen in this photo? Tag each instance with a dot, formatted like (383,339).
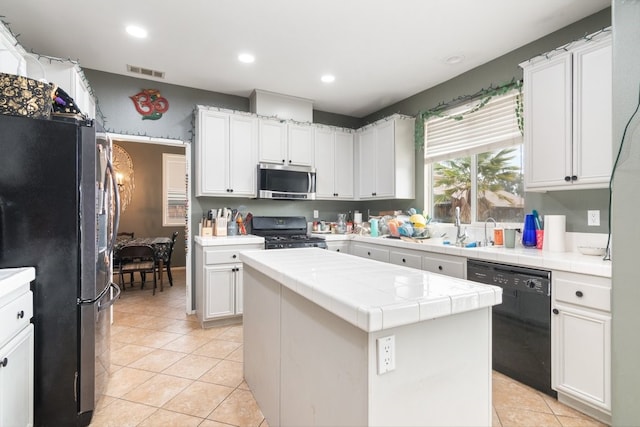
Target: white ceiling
(381,51)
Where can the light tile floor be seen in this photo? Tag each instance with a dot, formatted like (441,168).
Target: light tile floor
(167,371)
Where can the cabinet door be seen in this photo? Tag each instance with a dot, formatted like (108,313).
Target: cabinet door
(239,289)
(243,144)
(273,141)
(219,291)
(344,165)
(385,159)
(300,145)
(548,118)
(592,109)
(212,156)
(324,154)
(582,354)
(367,163)
(16,380)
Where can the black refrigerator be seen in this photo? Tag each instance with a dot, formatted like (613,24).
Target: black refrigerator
(58,213)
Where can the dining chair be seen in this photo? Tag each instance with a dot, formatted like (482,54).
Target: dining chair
(125,235)
(130,235)
(140,258)
(167,258)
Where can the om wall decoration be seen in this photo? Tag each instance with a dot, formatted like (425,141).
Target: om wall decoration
(150,104)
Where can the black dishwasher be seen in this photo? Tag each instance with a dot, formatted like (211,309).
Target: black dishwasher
(522,323)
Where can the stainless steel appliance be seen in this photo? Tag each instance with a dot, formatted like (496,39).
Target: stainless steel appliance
(281,232)
(522,323)
(276,181)
(57,198)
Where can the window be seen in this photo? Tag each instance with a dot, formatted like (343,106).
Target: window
(174,190)
(475,162)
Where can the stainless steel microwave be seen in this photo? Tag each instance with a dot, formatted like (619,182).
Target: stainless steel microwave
(277,181)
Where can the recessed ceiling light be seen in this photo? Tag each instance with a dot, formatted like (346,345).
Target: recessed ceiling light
(328,78)
(246,58)
(136,31)
(454,59)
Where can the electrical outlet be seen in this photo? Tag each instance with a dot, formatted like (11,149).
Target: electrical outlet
(316,215)
(593,218)
(386,349)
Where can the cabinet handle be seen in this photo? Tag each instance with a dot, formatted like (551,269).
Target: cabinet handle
(234,256)
(555,311)
(574,178)
(579,294)
(20,314)
(440,267)
(404,260)
(369,253)
(4,362)
(337,250)
(567,178)
(231,190)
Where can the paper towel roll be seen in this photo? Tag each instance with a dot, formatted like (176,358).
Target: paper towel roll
(554,233)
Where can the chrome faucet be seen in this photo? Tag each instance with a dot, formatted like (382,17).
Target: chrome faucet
(486,239)
(461,234)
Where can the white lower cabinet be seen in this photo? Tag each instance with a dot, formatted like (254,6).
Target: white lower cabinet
(219,283)
(581,342)
(407,258)
(16,380)
(449,265)
(339,246)
(374,252)
(16,347)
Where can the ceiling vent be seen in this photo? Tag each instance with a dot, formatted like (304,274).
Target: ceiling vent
(145,71)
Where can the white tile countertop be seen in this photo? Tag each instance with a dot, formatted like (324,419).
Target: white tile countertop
(12,279)
(247,239)
(368,294)
(563,261)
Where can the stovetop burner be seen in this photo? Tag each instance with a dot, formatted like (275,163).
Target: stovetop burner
(285,232)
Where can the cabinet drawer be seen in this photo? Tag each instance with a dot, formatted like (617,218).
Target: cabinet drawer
(226,255)
(406,259)
(366,251)
(449,266)
(15,316)
(582,294)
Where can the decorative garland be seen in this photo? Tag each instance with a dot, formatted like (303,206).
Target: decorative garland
(485,96)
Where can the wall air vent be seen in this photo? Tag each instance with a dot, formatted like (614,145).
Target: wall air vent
(145,71)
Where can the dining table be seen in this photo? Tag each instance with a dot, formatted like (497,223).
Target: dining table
(161,246)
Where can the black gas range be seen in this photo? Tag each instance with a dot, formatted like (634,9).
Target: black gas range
(281,232)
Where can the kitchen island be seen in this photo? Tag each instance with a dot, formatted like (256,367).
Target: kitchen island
(313,320)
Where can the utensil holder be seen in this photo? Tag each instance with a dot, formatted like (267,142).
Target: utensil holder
(529,231)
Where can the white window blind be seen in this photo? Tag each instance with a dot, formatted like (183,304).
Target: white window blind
(492,127)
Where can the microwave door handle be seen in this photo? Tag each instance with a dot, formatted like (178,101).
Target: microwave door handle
(309,181)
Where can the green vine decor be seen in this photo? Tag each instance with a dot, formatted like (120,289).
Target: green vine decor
(485,95)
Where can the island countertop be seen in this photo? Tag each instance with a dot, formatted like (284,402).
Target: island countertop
(370,295)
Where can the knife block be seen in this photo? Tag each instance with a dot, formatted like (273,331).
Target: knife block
(220,227)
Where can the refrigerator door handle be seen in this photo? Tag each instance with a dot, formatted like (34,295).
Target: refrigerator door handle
(91,301)
(116,198)
(112,300)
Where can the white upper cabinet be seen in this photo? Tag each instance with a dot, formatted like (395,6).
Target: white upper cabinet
(333,154)
(286,143)
(12,60)
(567,118)
(226,147)
(69,77)
(386,159)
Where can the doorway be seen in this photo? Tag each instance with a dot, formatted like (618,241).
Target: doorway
(145,213)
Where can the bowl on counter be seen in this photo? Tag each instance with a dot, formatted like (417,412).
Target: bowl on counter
(591,250)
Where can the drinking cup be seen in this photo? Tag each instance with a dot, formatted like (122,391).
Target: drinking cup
(529,232)
(509,238)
